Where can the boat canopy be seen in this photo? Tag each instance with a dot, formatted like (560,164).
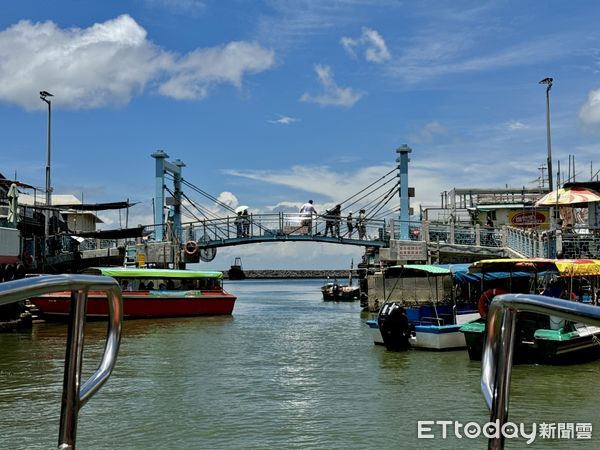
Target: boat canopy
(564,267)
(425,268)
(123,272)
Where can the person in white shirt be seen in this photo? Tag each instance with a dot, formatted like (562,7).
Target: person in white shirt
(307,212)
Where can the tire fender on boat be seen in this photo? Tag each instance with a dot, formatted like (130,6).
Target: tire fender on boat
(484,301)
(191,247)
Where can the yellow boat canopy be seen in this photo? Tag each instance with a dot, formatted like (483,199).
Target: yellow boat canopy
(565,267)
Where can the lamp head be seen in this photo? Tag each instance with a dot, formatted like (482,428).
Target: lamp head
(547,81)
(44,94)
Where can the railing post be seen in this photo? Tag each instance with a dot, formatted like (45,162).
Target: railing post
(72,377)
(478,235)
(425,231)
(280,224)
(451,237)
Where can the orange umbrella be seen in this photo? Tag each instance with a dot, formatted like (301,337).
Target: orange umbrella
(568,196)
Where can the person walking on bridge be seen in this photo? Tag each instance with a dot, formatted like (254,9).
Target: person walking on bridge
(361,224)
(307,212)
(328,222)
(350,225)
(337,218)
(245,223)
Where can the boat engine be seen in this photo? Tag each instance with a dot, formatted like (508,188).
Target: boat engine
(394,327)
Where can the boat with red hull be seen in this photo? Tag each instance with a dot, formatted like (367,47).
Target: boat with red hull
(149,293)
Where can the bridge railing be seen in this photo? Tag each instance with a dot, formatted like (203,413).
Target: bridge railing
(451,233)
(278,226)
(577,242)
(569,242)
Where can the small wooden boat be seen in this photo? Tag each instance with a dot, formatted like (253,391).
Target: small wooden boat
(149,293)
(333,291)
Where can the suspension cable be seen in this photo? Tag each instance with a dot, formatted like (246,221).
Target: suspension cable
(361,191)
(371,192)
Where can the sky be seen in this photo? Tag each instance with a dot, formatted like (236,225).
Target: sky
(272,103)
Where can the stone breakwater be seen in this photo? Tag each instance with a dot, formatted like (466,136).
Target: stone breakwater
(258,274)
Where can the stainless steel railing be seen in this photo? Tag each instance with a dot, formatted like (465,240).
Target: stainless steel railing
(498,346)
(75,394)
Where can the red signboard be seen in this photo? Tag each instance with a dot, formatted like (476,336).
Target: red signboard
(527,218)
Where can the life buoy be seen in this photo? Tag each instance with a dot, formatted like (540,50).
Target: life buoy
(484,301)
(191,247)
(29,261)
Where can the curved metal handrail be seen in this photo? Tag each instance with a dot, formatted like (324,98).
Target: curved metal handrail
(498,346)
(74,394)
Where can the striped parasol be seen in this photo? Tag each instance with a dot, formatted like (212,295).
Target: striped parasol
(568,196)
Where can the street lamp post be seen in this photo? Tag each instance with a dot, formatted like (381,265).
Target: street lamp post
(548,82)
(44,96)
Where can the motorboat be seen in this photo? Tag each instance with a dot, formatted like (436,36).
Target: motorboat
(148,293)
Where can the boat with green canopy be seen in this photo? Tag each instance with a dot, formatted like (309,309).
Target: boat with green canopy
(420,308)
(149,293)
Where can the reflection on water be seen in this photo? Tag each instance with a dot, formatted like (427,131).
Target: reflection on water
(287,370)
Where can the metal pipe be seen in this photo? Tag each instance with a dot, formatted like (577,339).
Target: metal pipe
(70,403)
(74,396)
(499,345)
(48,153)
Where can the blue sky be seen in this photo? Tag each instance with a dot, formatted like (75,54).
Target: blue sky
(270,103)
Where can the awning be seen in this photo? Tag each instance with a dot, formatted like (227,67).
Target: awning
(18,183)
(96,206)
(121,233)
(121,272)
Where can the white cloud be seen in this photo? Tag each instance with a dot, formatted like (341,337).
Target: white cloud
(589,114)
(426,134)
(284,120)
(349,44)
(110,62)
(228,198)
(376,49)
(194,74)
(193,7)
(332,95)
(515,125)
(320,180)
(437,52)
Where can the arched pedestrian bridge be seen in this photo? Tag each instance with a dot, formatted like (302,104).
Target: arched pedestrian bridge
(256,228)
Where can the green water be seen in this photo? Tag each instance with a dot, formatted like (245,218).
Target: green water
(286,371)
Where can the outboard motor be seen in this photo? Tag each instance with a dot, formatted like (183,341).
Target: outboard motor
(394,327)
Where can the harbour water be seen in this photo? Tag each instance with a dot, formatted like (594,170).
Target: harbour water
(287,370)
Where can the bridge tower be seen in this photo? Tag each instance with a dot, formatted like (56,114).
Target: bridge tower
(403,160)
(163,166)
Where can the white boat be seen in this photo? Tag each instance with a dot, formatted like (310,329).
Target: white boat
(442,337)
